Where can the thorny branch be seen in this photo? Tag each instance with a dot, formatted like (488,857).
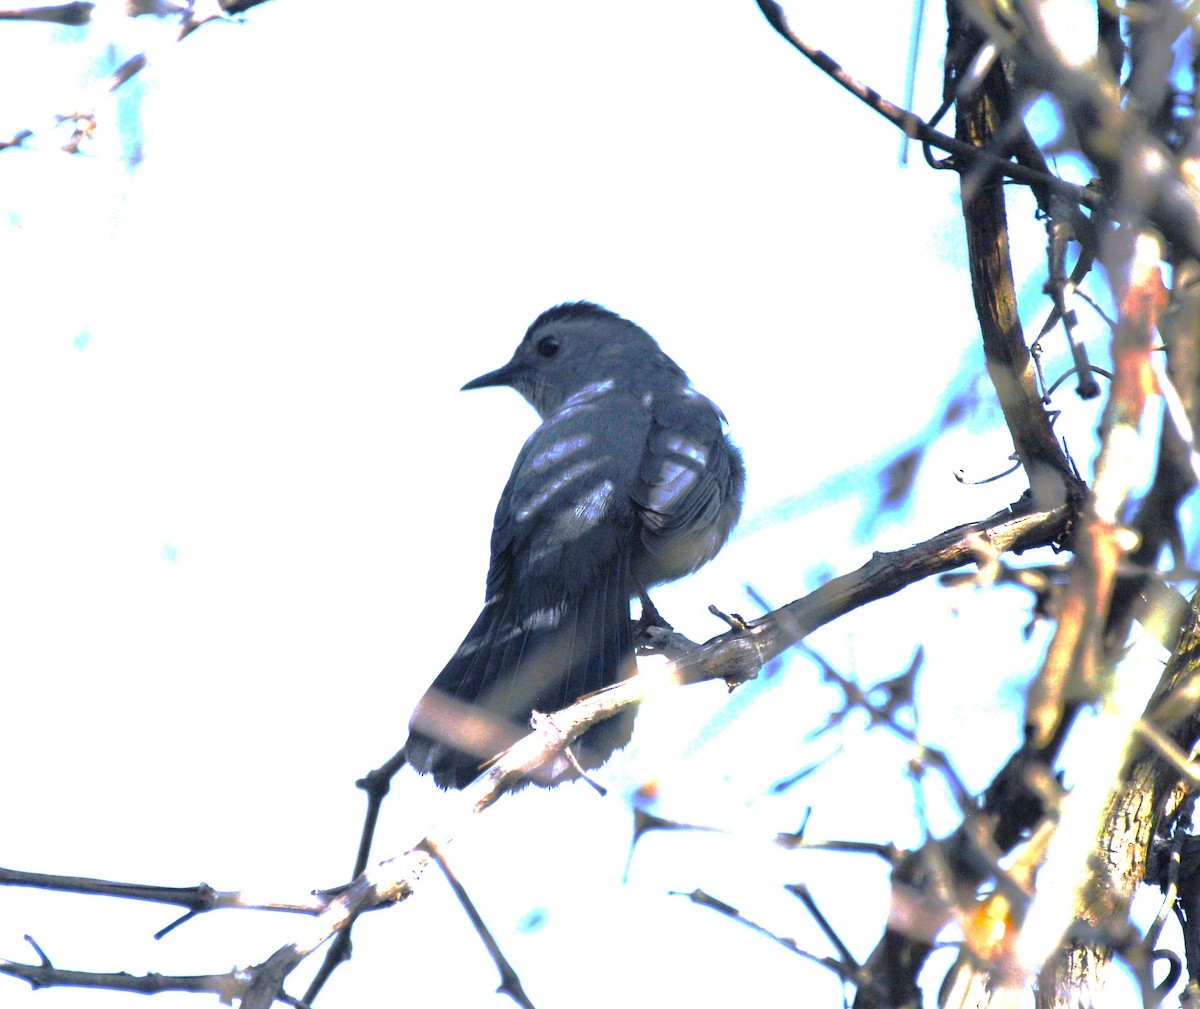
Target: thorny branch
(1072,672)
(44,975)
(734,656)
(510,983)
(196,899)
(1143,214)
(913,126)
(844,967)
(979,120)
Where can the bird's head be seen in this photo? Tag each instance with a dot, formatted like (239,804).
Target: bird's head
(572,346)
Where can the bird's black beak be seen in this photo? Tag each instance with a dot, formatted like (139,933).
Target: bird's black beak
(503,375)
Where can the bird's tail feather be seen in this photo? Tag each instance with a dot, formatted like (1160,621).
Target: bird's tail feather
(520,659)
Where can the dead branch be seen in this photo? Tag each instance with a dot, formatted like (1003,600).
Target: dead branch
(510,982)
(46,975)
(916,128)
(845,968)
(980,119)
(60,14)
(197,899)
(734,656)
(1072,669)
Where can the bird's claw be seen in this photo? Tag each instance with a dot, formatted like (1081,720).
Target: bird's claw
(660,641)
(650,618)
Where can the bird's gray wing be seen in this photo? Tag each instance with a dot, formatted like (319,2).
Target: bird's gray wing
(566,514)
(689,486)
(555,624)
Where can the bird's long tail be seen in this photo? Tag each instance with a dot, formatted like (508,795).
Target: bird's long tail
(518,659)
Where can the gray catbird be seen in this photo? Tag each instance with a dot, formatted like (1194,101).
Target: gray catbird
(628,483)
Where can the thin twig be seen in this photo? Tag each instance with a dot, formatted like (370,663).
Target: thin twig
(510,982)
(806,898)
(845,971)
(915,127)
(197,899)
(227,987)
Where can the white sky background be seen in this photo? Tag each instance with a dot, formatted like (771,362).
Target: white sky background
(246,510)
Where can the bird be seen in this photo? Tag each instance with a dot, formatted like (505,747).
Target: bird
(630,481)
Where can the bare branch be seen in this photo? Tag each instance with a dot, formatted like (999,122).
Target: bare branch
(73,14)
(1072,669)
(980,117)
(510,983)
(227,987)
(847,970)
(196,899)
(915,127)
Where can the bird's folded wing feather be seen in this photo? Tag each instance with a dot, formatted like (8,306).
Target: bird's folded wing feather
(686,478)
(555,624)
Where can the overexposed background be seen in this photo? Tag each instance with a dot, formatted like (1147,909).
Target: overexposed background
(246,510)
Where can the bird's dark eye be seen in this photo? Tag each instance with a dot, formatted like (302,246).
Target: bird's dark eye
(548,346)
